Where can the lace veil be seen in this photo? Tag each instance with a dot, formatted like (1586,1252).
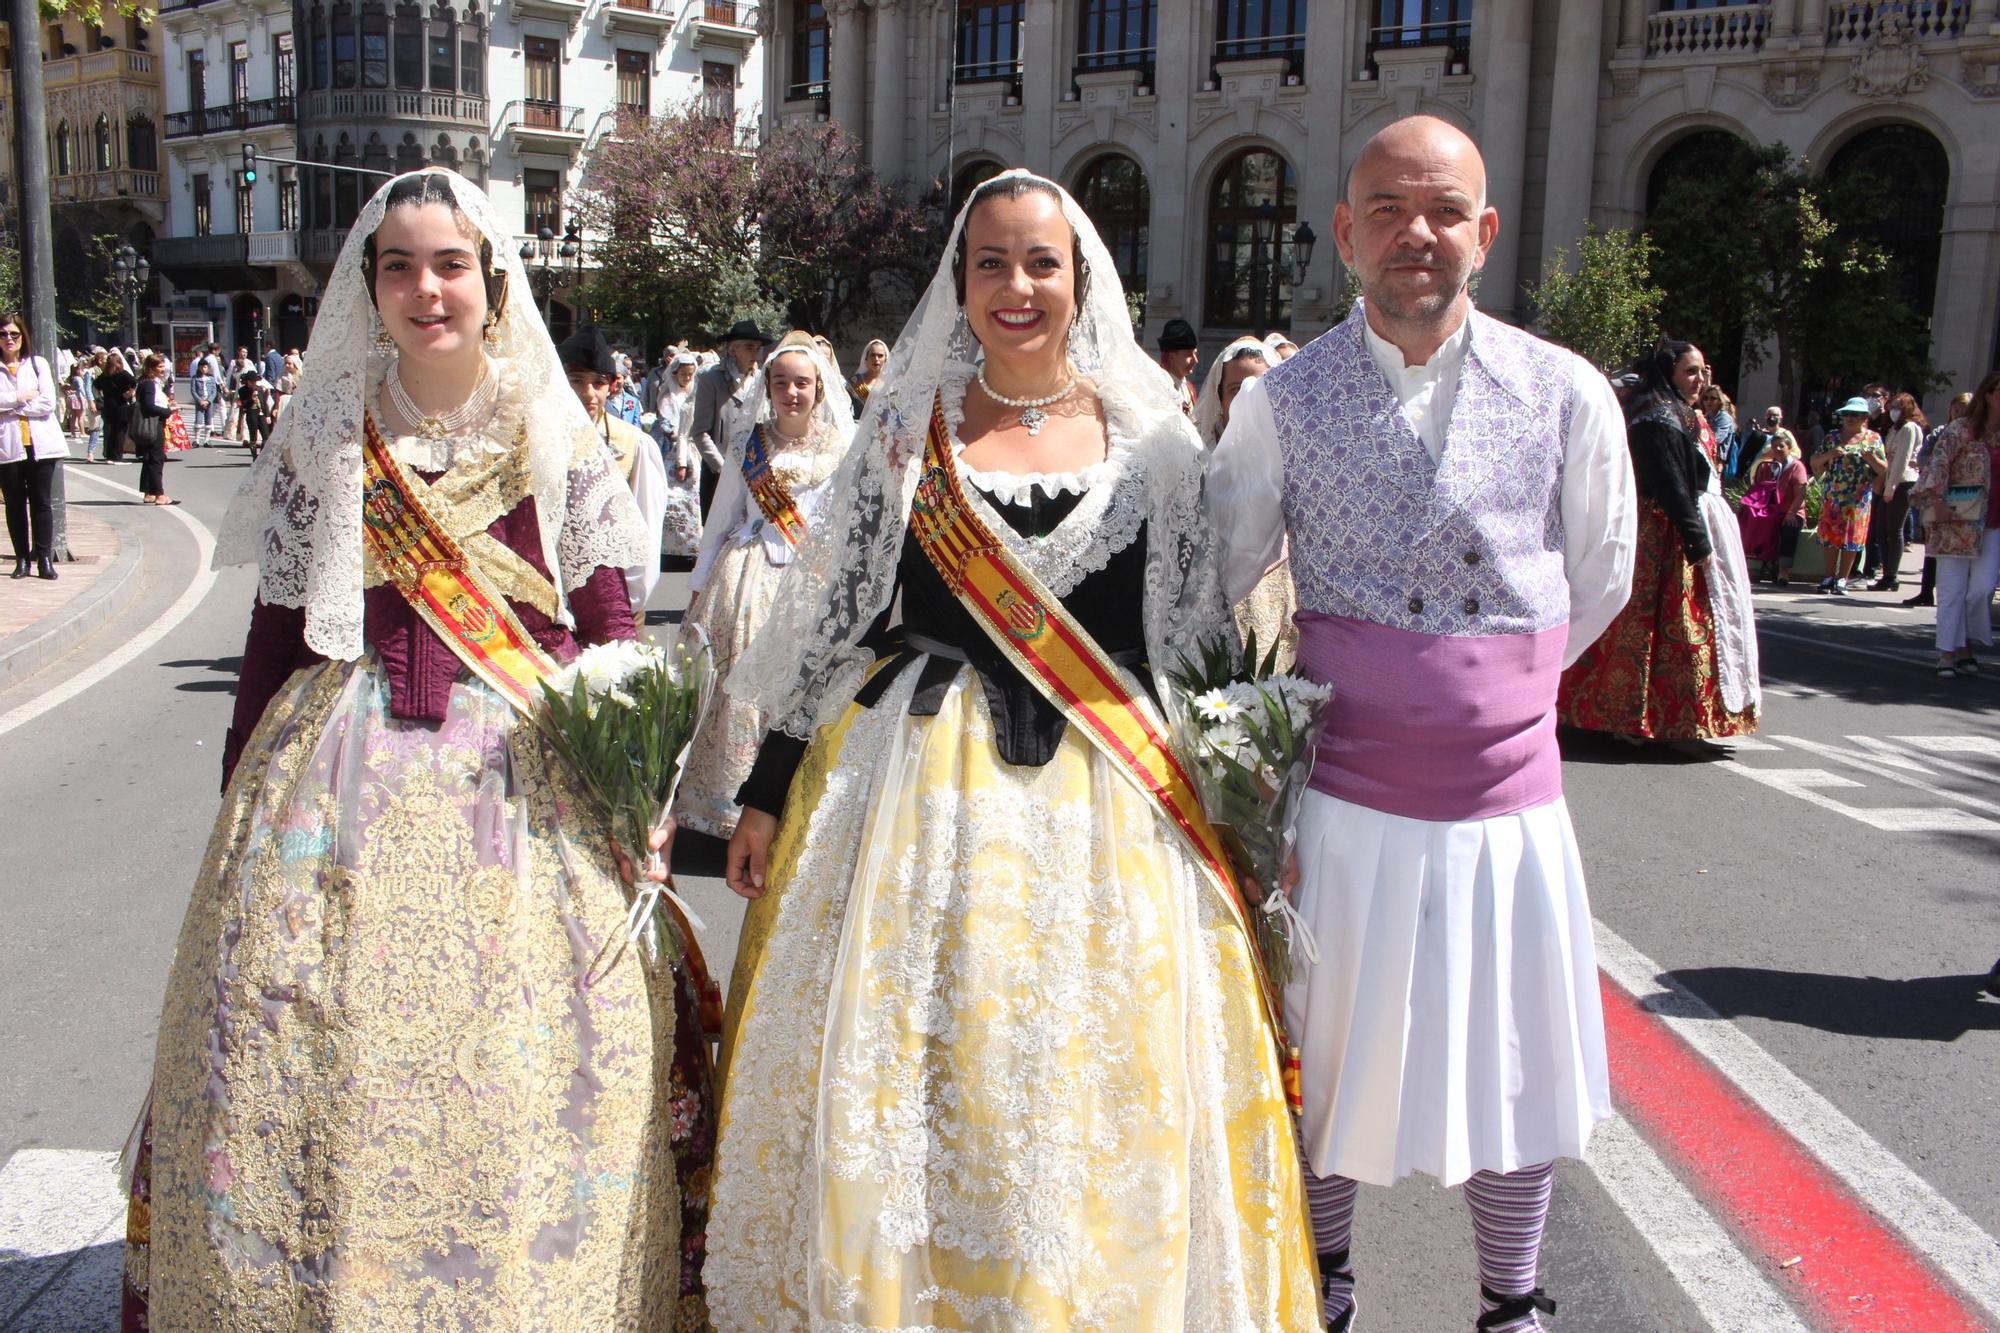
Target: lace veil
(298,513)
(804,665)
(1208,408)
(832,419)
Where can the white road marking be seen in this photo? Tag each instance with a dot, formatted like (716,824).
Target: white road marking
(1890,767)
(1807,785)
(1974,745)
(62,1232)
(141,642)
(1721,1281)
(1899,1196)
(1910,657)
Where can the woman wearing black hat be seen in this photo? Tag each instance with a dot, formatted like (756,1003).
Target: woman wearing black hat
(1179,351)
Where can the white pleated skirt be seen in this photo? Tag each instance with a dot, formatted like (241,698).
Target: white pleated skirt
(1452,1024)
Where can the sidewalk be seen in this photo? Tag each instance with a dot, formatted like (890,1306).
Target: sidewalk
(41,620)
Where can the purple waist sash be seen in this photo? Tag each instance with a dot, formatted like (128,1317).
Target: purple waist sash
(1435,727)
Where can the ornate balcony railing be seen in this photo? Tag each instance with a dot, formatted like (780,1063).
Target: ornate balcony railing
(1923,20)
(342,103)
(234,118)
(1725,31)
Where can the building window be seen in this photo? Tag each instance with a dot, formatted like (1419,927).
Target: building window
(1252,208)
(285,66)
(989,41)
(718,89)
(322,190)
(1401,24)
(471,63)
(444,71)
(288,198)
(246,207)
(197,62)
(142,144)
(542,191)
(409,154)
(809,38)
(322,53)
(543,58)
(346,185)
(100,144)
(346,64)
(635,83)
(970,177)
(409,49)
(239,73)
(65,155)
(1252,29)
(374,49)
(198,190)
(1117,34)
(1113,193)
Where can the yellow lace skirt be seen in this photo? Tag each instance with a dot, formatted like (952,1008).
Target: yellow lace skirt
(999,1061)
(389,1094)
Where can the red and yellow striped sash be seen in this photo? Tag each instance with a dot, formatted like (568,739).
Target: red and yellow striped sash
(769,490)
(446,587)
(1060,658)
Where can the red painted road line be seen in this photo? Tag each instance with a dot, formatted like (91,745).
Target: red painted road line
(1855,1274)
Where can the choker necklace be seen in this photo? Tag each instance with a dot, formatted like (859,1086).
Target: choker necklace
(445,425)
(1033,418)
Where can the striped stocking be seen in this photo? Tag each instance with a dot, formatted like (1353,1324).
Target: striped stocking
(1508,1214)
(1330,1199)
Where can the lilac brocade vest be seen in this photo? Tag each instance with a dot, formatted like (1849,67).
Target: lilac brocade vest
(1432,597)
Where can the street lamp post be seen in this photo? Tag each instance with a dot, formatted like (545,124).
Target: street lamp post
(542,250)
(130,273)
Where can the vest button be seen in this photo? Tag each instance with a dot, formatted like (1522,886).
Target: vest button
(1416,606)
(1472,557)
(1472,606)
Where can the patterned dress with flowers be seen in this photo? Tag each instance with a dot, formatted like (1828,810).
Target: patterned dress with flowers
(1847,492)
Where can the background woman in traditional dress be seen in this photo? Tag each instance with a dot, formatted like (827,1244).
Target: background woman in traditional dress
(406,1078)
(1001,1058)
(804,423)
(1680,661)
(1267,612)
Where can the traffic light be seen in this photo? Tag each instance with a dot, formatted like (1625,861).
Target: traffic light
(249,164)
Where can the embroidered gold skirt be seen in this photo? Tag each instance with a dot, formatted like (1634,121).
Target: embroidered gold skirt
(397,1087)
(999,1061)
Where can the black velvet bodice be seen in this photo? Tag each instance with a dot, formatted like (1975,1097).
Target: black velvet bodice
(1027,728)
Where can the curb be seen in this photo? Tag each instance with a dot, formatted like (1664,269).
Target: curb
(28,651)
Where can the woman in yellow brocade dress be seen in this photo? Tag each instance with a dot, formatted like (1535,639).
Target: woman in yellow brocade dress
(1000,1057)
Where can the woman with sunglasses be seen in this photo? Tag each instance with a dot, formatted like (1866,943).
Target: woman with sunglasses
(31,443)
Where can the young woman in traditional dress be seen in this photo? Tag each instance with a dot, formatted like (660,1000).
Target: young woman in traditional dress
(407,1076)
(1002,1056)
(1680,661)
(1267,612)
(780,458)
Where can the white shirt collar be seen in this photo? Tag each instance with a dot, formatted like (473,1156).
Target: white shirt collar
(1445,362)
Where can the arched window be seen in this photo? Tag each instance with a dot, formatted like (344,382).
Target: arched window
(472,53)
(1113,193)
(443,50)
(970,177)
(65,150)
(374,47)
(409,47)
(100,144)
(142,143)
(1698,179)
(443,154)
(1252,208)
(346,188)
(1889,186)
(319,73)
(409,154)
(346,48)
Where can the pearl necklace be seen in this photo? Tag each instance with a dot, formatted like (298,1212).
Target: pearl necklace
(445,425)
(1033,418)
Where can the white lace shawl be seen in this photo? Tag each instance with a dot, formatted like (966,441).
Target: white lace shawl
(1208,408)
(298,513)
(804,665)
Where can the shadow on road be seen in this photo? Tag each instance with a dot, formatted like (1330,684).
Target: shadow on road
(1918,1009)
(56,1293)
(1597,747)
(1865,678)
(229,668)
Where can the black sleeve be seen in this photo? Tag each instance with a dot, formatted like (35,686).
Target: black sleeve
(770,780)
(1669,470)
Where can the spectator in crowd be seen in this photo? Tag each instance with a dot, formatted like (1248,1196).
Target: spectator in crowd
(1179,351)
(273,367)
(149,429)
(1721,415)
(1926,591)
(716,390)
(235,383)
(115,390)
(873,358)
(204,386)
(1961,508)
(256,407)
(1849,465)
(1773,512)
(1906,436)
(32,447)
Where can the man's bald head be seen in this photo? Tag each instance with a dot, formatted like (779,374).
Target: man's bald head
(1423,140)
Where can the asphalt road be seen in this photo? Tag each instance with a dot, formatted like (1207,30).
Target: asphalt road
(1832,892)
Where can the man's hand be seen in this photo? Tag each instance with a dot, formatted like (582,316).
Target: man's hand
(749,852)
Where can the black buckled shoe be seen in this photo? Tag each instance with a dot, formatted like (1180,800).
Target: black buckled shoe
(20,567)
(1334,1266)
(1507,1309)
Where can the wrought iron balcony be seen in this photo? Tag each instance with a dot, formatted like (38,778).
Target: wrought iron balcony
(233,118)
(1455,37)
(543,126)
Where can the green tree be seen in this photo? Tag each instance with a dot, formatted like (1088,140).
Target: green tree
(10,267)
(1607,310)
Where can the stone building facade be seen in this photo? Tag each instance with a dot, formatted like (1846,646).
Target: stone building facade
(1201,132)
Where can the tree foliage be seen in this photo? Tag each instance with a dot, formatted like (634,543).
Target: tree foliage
(691,227)
(1751,246)
(1607,310)
(11,294)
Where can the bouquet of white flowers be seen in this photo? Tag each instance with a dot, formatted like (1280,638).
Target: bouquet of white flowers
(623,715)
(1247,733)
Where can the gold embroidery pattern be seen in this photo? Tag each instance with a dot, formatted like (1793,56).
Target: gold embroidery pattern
(383,1097)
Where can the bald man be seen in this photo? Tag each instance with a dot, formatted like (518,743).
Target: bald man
(1460,510)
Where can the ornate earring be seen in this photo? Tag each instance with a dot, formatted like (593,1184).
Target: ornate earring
(491,334)
(384,344)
